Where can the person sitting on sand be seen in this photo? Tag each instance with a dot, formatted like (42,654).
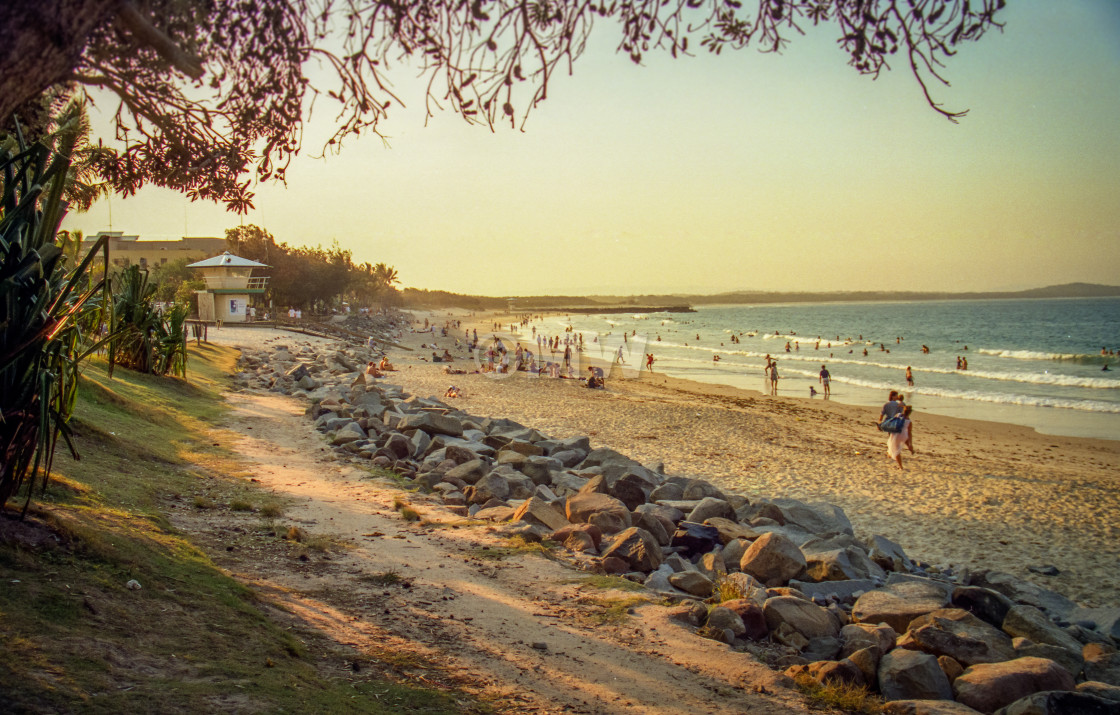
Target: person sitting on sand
(905,437)
(594,382)
(447,357)
(453,392)
(372,370)
(436,358)
(385,365)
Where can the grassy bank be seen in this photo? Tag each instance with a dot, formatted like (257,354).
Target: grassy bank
(105,607)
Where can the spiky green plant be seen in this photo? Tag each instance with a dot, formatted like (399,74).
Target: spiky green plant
(50,314)
(147,339)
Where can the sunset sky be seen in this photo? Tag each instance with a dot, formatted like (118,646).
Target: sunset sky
(742,172)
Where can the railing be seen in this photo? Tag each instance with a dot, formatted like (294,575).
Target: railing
(235,282)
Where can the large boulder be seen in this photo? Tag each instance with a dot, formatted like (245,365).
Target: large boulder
(898,604)
(721,618)
(432,423)
(1061,702)
(579,507)
(351,432)
(653,525)
(631,489)
(959,635)
(637,547)
(926,707)
(1102,664)
(911,675)
(754,620)
(773,559)
(492,486)
(805,617)
(710,507)
(1026,592)
(1031,623)
(695,538)
(469,472)
(888,555)
(815,518)
(537,511)
(845,564)
(692,582)
(987,605)
(988,687)
(729,530)
(858,636)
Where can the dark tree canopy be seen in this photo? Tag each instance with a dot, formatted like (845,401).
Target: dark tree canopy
(213,92)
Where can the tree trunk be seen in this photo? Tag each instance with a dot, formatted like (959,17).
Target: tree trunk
(41,44)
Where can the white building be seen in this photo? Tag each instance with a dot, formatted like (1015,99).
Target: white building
(229,283)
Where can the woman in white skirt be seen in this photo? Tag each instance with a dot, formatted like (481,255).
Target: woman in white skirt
(897,440)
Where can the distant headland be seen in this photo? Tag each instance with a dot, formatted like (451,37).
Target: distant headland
(684,303)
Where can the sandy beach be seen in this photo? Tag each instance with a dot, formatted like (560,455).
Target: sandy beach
(980,495)
(976,494)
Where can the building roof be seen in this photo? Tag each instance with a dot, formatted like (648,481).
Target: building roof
(227,259)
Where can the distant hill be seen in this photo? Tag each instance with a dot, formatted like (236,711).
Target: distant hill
(676,302)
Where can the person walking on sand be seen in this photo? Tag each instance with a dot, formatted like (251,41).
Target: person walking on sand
(892,408)
(904,438)
(826,380)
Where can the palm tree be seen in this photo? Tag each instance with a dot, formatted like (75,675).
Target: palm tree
(384,276)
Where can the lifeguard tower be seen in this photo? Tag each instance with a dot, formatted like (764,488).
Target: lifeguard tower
(229,283)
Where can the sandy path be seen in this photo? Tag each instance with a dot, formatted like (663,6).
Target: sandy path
(477,618)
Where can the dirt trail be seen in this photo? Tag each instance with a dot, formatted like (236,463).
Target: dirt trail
(519,632)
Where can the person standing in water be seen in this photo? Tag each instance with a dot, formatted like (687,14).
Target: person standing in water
(909,377)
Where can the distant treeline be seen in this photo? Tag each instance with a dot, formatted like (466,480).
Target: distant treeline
(600,303)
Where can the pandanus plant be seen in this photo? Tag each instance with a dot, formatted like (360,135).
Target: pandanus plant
(51,311)
(147,339)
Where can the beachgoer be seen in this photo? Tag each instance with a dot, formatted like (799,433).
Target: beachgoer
(812,391)
(774,378)
(909,377)
(385,365)
(453,392)
(905,437)
(891,408)
(964,362)
(826,380)
(649,362)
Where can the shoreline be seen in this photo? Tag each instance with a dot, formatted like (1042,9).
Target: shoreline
(1046,421)
(978,494)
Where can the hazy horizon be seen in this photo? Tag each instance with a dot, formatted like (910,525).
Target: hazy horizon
(745,172)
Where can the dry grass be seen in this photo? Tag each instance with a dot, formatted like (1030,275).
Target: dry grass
(839,696)
(240,505)
(384,578)
(727,590)
(612,611)
(271,510)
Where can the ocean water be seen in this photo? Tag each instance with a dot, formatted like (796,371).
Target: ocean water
(1030,362)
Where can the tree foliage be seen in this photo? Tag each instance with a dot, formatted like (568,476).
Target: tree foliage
(312,278)
(211,92)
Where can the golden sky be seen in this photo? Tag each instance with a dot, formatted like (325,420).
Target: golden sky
(746,171)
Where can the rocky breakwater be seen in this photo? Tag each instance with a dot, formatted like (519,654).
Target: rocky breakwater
(783,578)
